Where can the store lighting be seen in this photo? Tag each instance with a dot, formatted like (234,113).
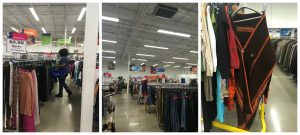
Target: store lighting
(194,51)
(141,60)
(133,59)
(114,62)
(110,19)
(173,33)
(177,58)
(155,65)
(14,29)
(142,64)
(108,57)
(145,55)
(108,51)
(81,14)
(176,66)
(170,62)
(109,41)
(191,64)
(166,65)
(70,38)
(44,30)
(157,47)
(187,67)
(73,30)
(34,14)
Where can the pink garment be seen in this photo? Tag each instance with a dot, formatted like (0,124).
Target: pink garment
(28,123)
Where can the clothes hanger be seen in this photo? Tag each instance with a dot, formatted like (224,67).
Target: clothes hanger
(248,19)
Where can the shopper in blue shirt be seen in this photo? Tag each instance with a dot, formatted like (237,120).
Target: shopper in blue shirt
(64,66)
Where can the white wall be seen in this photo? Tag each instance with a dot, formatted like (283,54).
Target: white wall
(121,69)
(279,15)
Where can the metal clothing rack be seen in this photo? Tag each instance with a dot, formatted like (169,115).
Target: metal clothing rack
(235,129)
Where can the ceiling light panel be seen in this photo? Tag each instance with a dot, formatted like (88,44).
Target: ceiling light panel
(156,47)
(70,38)
(141,60)
(81,14)
(166,65)
(14,29)
(177,66)
(177,58)
(147,55)
(108,57)
(34,14)
(194,51)
(108,51)
(173,33)
(110,19)
(109,41)
(73,30)
(170,62)
(191,64)
(44,30)
(155,65)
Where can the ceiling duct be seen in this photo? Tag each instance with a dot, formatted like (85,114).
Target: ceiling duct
(165,11)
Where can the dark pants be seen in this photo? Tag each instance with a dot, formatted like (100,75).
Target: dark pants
(62,84)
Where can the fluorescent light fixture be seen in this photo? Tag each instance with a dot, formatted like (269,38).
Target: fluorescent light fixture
(73,30)
(110,19)
(34,14)
(114,62)
(177,58)
(173,33)
(157,47)
(166,65)
(145,55)
(5,36)
(191,64)
(141,59)
(44,30)
(142,63)
(155,65)
(14,29)
(194,51)
(177,66)
(168,62)
(70,38)
(81,14)
(108,57)
(133,59)
(108,51)
(109,41)
(187,67)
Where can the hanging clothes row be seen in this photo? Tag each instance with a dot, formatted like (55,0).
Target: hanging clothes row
(286,54)
(237,63)
(26,84)
(177,108)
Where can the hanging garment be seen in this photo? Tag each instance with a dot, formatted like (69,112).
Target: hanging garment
(212,38)
(257,62)
(220,103)
(206,43)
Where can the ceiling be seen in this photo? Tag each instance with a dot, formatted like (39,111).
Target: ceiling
(138,26)
(53,18)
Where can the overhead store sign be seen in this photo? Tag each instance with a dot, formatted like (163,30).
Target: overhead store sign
(62,42)
(19,36)
(153,69)
(160,70)
(16,46)
(30,32)
(46,39)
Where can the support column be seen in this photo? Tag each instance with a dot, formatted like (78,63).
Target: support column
(89,67)
(128,74)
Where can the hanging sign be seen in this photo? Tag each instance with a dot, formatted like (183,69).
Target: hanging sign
(19,36)
(16,46)
(31,32)
(46,39)
(160,70)
(153,69)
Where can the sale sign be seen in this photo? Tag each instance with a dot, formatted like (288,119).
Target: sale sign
(17,46)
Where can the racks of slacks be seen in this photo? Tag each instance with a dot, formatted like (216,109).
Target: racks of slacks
(177,108)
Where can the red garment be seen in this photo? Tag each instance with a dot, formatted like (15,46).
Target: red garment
(231,91)
(234,58)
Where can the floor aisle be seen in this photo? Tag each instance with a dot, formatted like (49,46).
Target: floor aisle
(281,110)
(130,117)
(61,114)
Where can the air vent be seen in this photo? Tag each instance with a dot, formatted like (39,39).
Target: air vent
(165,11)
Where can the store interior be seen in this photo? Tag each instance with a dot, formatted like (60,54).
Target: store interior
(279,113)
(149,55)
(46,28)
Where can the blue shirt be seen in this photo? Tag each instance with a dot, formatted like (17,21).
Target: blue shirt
(65,60)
